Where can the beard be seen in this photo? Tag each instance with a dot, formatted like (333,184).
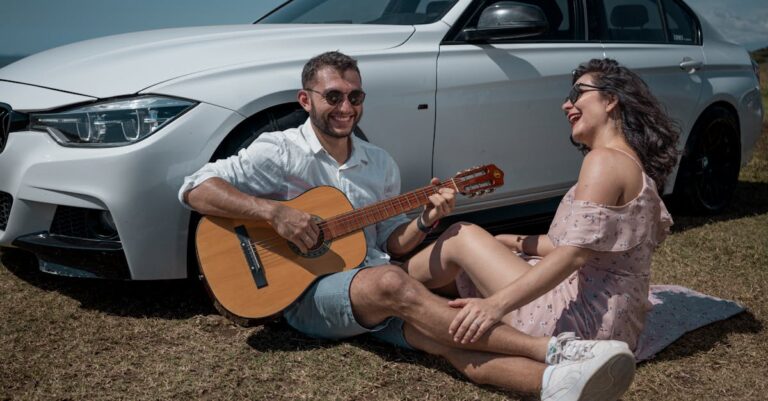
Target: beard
(323,124)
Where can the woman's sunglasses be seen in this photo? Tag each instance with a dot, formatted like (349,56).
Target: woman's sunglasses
(335,96)
(576,91)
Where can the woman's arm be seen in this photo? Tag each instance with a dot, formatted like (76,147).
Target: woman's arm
(479,314)
(533,245)
(603,177)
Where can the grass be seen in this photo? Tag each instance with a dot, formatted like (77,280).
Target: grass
(64,338)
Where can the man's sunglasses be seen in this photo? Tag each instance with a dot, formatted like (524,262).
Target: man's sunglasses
(334,96)
(576,91)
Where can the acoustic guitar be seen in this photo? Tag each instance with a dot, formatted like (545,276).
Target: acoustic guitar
(254,273)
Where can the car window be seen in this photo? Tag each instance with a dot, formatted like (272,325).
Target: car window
(637,21)
(387,12)
(681,23)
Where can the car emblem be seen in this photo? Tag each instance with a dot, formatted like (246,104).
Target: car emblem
(5,124)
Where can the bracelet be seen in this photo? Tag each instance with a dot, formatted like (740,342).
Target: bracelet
(423,227)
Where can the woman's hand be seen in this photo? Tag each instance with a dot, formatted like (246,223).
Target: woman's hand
(476,316)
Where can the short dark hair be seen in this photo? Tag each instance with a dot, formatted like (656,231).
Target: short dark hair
(334,59)
(647,127)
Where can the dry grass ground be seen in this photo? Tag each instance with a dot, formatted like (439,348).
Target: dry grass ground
(89,340)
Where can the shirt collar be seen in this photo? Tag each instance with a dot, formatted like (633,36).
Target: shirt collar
(358,150)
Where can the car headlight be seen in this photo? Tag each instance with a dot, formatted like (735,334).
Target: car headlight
(116,122)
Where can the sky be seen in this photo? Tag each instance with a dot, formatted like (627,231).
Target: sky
(30,26)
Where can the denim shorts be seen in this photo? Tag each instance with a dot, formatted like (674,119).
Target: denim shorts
(325,311)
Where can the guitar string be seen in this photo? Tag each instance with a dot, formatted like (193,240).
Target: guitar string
(381,208)
(346,218)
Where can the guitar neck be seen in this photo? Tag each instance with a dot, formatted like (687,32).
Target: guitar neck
(358,219)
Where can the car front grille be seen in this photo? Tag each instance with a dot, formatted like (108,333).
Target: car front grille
(79,222)
(6,201)
(71,222)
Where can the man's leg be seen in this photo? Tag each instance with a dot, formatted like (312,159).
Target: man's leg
(519,373)
(592,370)
(384,291)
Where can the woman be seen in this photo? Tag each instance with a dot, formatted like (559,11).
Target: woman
(592,269)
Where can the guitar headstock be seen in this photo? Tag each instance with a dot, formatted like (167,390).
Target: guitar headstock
(479,180)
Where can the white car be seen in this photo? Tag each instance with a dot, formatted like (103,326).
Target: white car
(97,136)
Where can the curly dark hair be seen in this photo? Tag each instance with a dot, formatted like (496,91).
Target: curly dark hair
(647,127)
(336,60)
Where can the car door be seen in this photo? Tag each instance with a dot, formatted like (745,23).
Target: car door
(658,39)
(499,102)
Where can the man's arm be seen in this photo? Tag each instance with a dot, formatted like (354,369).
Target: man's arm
(408,236)
(217,197)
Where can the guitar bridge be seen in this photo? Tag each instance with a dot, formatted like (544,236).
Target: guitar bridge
(254,263)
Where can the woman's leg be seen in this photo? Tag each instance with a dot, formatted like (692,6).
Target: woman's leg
(490,264)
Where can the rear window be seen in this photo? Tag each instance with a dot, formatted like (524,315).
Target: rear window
(642,21)
(627,21)
(681,23)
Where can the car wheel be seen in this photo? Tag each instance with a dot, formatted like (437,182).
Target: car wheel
(709,168)
(278,118)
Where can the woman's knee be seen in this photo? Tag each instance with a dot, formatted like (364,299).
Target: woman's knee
(463,235)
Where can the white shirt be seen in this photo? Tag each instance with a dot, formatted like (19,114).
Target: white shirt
(283,165)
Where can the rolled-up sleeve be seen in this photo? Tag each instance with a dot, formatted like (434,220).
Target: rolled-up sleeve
(256,170)
(392,188)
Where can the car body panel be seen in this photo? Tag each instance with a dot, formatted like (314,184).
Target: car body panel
(435,107)
(143,59)
(137,184)
(513,97)
(28,98)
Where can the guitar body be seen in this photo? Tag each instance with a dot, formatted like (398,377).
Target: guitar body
(254,273)
(227,267)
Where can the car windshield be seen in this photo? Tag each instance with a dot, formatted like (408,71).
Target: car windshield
(386,12)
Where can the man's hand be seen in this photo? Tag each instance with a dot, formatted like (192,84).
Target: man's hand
(295,226)
(442,204)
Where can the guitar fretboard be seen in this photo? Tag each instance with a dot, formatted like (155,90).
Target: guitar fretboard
(354,220)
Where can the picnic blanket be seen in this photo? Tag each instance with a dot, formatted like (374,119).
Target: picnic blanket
(676,311)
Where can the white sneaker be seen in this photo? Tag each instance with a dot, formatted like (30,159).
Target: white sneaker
(603,373)
(556,349)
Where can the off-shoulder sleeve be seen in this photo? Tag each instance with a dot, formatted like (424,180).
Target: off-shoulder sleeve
(608,229)
(664,223)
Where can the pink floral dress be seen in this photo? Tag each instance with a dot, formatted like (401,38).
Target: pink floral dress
(608,297)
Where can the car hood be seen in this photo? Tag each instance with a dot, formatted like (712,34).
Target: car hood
(126,64)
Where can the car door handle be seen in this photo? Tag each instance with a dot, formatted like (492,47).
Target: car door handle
(690,65)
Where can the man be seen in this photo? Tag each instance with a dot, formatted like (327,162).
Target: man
(384,300)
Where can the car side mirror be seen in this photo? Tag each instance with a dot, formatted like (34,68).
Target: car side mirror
(508,20)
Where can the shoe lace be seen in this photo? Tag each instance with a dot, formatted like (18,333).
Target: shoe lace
(568,347)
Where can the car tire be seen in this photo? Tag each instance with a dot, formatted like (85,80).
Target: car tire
(278,118)
(709,168)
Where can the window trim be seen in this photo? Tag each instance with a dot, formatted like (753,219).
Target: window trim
(698,41)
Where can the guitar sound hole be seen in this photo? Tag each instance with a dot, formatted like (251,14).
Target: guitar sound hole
(320,248)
